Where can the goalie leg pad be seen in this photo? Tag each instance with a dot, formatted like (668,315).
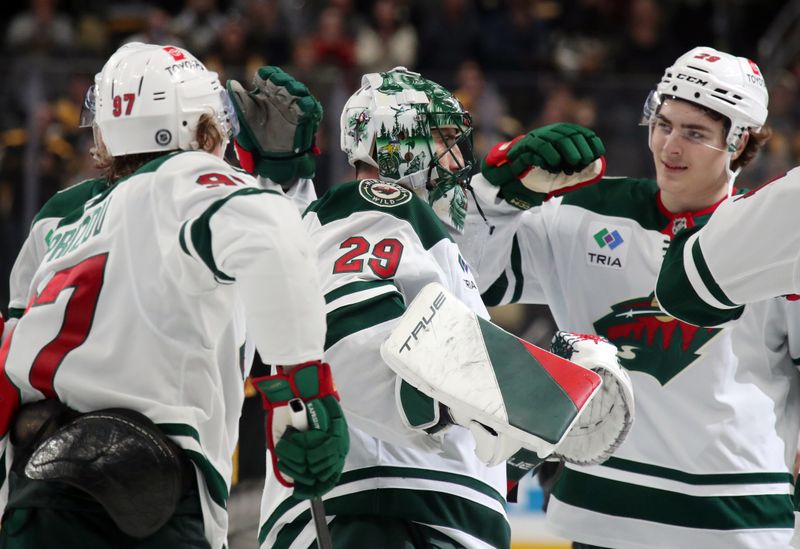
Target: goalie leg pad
(124,461)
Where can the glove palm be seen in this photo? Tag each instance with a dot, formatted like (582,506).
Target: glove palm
(278,120)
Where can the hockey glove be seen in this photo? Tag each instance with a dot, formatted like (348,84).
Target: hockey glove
(278,120)
(605,421)
(546,162)
(311,460)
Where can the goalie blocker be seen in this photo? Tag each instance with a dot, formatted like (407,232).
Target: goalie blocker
(512,395)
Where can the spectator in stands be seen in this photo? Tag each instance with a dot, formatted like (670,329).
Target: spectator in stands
(198,25)
(450,35)
(484,103)
(41,30)
(268,32)
(332,44)
(157,29)
(387,41)
(230,55)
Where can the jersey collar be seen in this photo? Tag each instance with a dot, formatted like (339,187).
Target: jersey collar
(683,220)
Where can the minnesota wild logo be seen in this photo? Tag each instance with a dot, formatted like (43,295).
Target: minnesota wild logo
(385,195)
(650,341)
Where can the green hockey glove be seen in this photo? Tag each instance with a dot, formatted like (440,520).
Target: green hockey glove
(546,162)
(278,119)
(309,457)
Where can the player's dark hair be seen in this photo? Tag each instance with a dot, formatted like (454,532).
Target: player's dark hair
(755,143)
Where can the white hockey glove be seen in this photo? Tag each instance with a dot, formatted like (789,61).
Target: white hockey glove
(603,425)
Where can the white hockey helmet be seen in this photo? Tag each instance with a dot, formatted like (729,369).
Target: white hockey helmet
(149,98)
(732,86)
(389,124)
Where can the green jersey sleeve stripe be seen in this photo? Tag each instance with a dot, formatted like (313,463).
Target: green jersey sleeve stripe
(217,488)
(677,295)
(639,502)
(494,295)
(3,466)
(689,478)
(516,269)
(707,277)
(427,507)
(179,430)
(14,312)
(201,231)
(354,287)
(495,530)
(353,318)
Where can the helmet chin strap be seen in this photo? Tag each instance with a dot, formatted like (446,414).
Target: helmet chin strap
(732,174)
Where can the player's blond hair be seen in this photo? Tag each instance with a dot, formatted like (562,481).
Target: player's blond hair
(208,137)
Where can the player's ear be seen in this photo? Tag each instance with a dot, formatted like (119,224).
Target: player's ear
(741,145)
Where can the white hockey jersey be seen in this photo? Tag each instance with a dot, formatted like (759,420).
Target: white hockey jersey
(708,461)
(747,252)
(35,245)
(378,245)
(141,299)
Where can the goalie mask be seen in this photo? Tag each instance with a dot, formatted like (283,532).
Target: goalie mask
(394,123)
(149,98)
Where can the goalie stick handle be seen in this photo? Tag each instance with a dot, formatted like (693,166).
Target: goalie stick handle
(299,420)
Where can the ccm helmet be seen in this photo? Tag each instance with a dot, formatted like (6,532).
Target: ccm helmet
(732,86)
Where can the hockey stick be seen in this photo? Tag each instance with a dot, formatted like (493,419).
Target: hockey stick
(300,422)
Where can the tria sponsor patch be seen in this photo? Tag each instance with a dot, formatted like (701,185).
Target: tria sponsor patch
(606,246)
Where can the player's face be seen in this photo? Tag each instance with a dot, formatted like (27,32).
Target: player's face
(446,151)
(689,153)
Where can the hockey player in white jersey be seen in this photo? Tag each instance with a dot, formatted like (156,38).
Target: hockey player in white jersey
(747,252)
(411,479)
(708,462)
(131,344)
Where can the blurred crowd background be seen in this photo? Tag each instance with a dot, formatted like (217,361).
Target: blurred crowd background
(515,64)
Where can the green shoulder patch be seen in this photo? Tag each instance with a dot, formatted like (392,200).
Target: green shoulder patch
(385,195)
(370,195)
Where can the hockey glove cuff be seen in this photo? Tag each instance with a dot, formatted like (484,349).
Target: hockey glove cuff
(279,119)
(606,420)
(546,162)
(310,460)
